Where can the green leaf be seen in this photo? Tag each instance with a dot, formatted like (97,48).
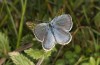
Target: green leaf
(72,61)
(60,62)
(98,61)
(95,31)
(68,54)
(20,59)
(4,44)
(92,61)
(27,38)
(77,49)
(78,3)
(36,53)
(97,19)
(85,64)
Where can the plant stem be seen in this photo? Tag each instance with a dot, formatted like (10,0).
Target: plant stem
(85,14)
(80,59)
(40,61)
(21,23)
(24,47)
(57,54)
(12,20)
(2,60)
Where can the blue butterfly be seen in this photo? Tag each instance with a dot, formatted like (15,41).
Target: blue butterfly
(57,31)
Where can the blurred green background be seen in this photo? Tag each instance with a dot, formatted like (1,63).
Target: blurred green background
(19,17)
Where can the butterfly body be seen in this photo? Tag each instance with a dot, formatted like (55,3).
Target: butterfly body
(57,31)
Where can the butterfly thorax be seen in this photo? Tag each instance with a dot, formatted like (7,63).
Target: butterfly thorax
(51,29)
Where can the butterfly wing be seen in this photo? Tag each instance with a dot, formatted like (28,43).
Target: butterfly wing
(49,41)
(62,37)
(63,22)
(40,31)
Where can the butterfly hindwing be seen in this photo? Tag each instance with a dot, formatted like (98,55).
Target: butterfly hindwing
(49,41)
(40,31)
(63,22)
(62,37)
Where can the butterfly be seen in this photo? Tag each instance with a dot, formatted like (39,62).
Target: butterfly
(54,32)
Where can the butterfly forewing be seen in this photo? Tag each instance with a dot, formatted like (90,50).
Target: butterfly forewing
(49,41)
(63,22)
(62,37)
(40,31)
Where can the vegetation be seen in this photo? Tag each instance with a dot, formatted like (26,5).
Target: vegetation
(18,46)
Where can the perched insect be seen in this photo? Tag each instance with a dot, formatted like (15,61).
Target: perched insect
(57,31)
